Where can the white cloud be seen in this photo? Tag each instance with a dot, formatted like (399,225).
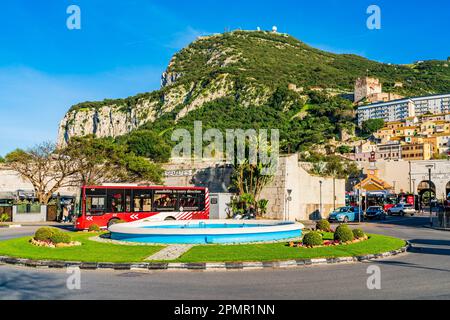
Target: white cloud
(182,38)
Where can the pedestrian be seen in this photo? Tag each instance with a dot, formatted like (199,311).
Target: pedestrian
(70,212)
(65,214)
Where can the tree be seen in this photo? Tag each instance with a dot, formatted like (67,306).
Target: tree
(341,169)
(372,125)
(2,160)
(250,178)
(148,144)
(46,168)
(103,160)
(344,149)
(84,161)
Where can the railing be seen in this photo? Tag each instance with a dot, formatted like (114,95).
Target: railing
(29,208)
(442,220)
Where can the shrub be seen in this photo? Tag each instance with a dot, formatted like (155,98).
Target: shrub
(60,237)
(323,225)
(312,238)
(44,234)
(358,233)
(343,233)
(4,217)
(94,228)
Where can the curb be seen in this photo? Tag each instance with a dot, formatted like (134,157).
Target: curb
(436,228)
(11,226)
(202,266)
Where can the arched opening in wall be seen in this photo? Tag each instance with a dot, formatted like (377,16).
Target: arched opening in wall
(425,191)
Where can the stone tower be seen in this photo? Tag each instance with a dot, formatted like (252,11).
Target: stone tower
(365,87)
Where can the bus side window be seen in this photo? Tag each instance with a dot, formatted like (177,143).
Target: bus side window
(164,201)
(115,201)
(95,205)
(142,200)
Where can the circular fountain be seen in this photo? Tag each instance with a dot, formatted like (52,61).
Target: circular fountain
(205,231)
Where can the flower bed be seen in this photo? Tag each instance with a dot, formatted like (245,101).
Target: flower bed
(49,244)
(52,238)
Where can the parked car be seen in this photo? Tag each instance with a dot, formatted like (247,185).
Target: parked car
(375,212)
(402,209)
(346,214)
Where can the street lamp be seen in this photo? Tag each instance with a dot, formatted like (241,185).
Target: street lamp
(430,166)
(288,199)
(334,192)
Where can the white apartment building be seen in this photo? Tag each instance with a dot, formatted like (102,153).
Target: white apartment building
(401,109)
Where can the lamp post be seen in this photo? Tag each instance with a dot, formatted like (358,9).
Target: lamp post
(288,199)
(320,198)
(334,192)
(430,166)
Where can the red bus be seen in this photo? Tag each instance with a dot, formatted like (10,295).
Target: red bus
(105,205)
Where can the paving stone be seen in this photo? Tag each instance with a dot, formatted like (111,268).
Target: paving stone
(171,252)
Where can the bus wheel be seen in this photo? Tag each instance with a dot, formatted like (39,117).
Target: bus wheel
(112,221)
(170,219)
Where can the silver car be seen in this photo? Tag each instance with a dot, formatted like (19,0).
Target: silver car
(401,209)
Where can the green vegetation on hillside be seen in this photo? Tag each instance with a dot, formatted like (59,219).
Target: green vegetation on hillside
(256,69)
(254,59)
(323,121)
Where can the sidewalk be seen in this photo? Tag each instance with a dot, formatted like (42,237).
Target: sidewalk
(36,224)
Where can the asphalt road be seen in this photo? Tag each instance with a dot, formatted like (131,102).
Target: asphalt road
(424,273)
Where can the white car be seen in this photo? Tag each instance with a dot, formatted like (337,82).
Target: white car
(402,209)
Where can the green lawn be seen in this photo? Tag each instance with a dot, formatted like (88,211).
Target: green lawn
(281,251)
(89,251)
(92,251)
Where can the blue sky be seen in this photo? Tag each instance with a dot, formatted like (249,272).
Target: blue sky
(124,46)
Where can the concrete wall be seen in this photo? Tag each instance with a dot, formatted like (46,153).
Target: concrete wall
(30,217)
(305,203)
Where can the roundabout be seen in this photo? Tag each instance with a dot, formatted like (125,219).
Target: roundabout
(275,247)
(421,273)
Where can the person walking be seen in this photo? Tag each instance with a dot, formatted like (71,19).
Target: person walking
(65,214)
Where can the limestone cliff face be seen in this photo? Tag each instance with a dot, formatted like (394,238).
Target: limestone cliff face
(107,121)
(112,120)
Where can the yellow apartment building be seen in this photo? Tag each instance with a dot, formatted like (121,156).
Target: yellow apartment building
(417,151)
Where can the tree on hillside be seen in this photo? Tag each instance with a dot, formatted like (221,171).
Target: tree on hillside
(372,125)
(2,160)
(340,169)
(148,144)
